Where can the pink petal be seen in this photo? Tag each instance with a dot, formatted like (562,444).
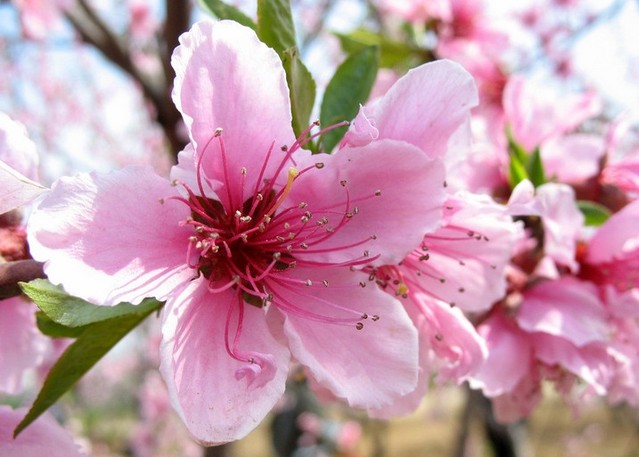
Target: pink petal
(536,113)
(453,339)
(592,363)
(567,308)
(220,399)
(44,437)
(15,189)
(427,106)
(227,79)
(617,238)
(469,253)
(112,237)
(562,222)
(22,346)
(583,151)
(510,357)
(369,367)
(381,182)
(16,148)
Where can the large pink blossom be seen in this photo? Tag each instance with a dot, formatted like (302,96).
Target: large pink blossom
(44,437)
(255,245)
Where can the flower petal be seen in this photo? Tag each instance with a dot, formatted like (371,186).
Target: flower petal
(112,237)
(370,367)
(427,106)
(22,346)
(16,189)
(217,397)
(43,437)
(227,79)
(379,198)
(510,357)
(566,308)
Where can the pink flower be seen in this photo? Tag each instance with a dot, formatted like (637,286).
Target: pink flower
(255,247)
(44,437)
(536,113)
(559,332)
(562,221)
(38,17)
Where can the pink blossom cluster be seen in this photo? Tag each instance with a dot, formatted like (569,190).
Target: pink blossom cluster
(414,251)
(560,318)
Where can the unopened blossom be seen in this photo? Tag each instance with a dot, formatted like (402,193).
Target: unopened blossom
(43,437)
(255,244)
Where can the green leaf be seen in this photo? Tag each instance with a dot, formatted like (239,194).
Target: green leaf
(594,213)
(302,89)
(392,53)
(535,168)
(222,10)
(516,171)
(350,86)
(275,28)
(50,328)
(67,310)
(275,24)
(514,148)
(91,345)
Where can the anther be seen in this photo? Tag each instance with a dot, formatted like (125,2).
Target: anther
(218,132)
(359,326)
(424,257)
(375,318)
(342,183)
(304,246)
(325,282)
(303,205)
(362,284)
(378,192)
(364,316)
(319,165)
(373,237)
(243,171)
(309,282)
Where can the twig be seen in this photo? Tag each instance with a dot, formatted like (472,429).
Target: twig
(11,273)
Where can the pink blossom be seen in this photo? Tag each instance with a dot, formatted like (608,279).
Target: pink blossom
(416,11)
(536,113)
(38,17)
(560,332)
(562,221)
(255,247)
(43,437)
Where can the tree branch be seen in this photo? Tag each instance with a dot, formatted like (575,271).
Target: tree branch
(11,273)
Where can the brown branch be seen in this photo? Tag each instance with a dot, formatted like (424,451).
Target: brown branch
(93,31)
(11,273)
